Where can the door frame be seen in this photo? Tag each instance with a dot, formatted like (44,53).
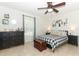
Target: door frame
(34,18)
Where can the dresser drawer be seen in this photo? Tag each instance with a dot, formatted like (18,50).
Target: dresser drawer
(10,39)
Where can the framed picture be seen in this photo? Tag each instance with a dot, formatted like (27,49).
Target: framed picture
(6,16)
(5,22)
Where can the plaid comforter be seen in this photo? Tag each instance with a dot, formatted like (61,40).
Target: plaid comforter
(53,40)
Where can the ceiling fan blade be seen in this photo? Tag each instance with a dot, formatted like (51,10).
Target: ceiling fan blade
(55,10)
(46,12)
(42,8)
(60,4)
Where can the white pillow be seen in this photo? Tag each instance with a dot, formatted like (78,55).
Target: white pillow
(59,33)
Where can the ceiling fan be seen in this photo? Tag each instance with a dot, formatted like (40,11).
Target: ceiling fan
(52,7)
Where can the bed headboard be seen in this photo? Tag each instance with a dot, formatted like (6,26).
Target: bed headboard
(59,32)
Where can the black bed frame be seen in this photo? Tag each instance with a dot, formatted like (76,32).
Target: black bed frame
(49,46)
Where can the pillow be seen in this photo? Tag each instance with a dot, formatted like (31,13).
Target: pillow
(54,33)
(59,33)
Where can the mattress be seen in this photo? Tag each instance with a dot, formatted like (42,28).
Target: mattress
(53,40)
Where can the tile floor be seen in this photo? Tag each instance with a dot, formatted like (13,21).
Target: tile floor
(29,50)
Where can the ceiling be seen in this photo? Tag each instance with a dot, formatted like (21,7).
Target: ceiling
(31,7)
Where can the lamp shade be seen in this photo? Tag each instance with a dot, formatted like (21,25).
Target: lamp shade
(49,29)
(72,28)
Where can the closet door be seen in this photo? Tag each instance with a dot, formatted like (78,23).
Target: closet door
(29,28)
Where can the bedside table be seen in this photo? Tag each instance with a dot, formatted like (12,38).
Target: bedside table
(72,39)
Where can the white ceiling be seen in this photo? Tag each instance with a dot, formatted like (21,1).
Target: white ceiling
(31,6)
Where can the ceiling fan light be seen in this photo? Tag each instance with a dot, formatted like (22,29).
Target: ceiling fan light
(50,10)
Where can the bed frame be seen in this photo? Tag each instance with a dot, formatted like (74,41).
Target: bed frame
(49,46)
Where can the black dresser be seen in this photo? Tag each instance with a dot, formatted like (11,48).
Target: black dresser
(72,39)
(10,39)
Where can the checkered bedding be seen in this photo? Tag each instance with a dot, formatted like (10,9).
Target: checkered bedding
(53,40)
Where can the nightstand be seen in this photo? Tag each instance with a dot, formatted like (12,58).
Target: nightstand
(72,39)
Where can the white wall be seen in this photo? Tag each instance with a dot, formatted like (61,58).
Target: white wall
(41,22)
(73,21)
(41,25)
(14,15)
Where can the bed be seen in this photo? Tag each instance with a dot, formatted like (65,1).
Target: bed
(54,39)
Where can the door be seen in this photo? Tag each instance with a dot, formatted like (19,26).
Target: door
(29,29)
